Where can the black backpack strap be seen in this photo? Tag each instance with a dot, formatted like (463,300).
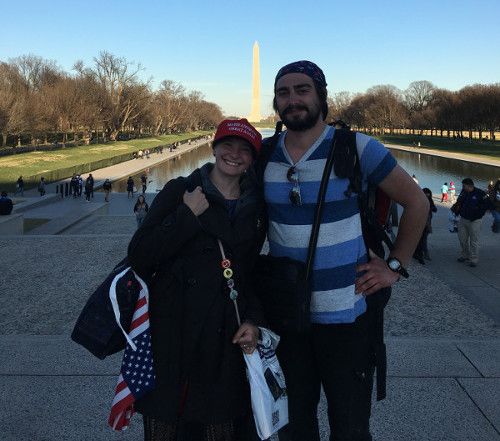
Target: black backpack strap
(266,150)
(347,165)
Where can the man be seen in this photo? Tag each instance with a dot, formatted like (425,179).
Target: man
(144,181)
(107,189)
(5,204)
(338,352)
(472,205)
(74,185)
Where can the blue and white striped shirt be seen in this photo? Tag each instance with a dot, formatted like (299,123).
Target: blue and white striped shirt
(340,246)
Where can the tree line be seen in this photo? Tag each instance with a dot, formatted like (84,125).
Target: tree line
(422,107)
(38,100)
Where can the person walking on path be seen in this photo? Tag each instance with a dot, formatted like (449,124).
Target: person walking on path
(90,181)
(130,187)
(144,182)
(74,185)
(140,209)
(80,185)
(452,190)
(20,186)
(107,189)
(6,205)
(444,192)
(192,228)
(471,205)
(41,187)
(88,189)
(494,195)
(338,352)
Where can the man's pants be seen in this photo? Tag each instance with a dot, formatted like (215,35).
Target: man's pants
(496,220)
(468,235)
(340,358)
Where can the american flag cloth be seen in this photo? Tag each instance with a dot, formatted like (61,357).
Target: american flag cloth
(137,375)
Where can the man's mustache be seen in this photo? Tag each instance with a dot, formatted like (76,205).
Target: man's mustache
(294,107)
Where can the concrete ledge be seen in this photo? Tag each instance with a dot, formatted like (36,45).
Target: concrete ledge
(11,224)
(28,203)
(60,224)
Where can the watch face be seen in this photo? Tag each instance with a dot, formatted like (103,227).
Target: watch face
(394,264)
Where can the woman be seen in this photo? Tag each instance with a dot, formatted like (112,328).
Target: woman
(422,251)
(140,209)
(201,388)
(130,187)
(494,195)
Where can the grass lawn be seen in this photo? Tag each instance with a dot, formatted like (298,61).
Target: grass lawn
(486,149)
(32,163)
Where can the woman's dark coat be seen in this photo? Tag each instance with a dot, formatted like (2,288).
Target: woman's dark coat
(192,318)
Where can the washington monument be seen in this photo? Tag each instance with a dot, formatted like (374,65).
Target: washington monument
(255,113)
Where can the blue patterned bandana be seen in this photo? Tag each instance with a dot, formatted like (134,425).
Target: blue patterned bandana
(304,67)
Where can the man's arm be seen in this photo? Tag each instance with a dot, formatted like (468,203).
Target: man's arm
(401,188)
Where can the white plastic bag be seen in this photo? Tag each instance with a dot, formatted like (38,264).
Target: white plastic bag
(267,385)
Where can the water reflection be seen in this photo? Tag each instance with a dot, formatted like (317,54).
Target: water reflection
(431,171)
(160,174)
(182,165)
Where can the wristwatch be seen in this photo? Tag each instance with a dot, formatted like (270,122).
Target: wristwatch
(395,265)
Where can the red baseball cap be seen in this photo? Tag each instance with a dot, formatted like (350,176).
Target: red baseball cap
(242,129)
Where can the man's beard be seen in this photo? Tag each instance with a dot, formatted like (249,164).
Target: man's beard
(300,123)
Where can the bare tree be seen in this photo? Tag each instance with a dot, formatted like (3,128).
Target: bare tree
(118,79)
(386,110)
(338,104)
(419,95)
(168,107)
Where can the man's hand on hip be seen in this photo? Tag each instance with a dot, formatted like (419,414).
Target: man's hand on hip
(377,275)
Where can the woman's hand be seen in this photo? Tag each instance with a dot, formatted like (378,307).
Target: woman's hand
(196,201)
(247,336)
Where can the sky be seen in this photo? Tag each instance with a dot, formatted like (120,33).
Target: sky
(207,45)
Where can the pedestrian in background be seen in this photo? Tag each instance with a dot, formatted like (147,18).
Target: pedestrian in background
(130,187)
(444,192)
(41,187)
(452,193)
(422,251)
(471,205)
(74,185)
(90,181)
(20,186)
(494,195)
(107,189)
(88,189)
(140,209)
(5,204)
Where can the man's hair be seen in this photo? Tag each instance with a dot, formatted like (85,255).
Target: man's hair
(322,95)
(4,194)
(468,181)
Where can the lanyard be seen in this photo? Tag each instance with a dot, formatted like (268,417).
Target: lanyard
(228,275)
